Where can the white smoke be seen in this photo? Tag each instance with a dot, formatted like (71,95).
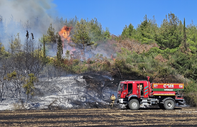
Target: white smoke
(21,15)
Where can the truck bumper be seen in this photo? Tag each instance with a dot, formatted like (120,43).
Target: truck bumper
(180,101)
(122,101)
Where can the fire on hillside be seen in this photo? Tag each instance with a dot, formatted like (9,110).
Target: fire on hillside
(65,33)
(66,38)
(75,50)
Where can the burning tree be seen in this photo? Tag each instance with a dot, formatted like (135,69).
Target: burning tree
(65,33)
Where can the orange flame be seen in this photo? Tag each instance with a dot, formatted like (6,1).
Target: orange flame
(113,58)
(65,33)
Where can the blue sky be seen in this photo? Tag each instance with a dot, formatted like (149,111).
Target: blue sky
(115,14)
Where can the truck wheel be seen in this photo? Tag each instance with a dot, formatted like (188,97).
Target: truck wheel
(169,104)
(134,104)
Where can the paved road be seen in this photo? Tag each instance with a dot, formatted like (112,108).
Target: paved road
(101,117)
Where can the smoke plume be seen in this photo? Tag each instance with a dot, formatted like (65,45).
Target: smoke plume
(17,16)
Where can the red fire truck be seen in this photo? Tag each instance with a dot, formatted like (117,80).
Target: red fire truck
(135,93)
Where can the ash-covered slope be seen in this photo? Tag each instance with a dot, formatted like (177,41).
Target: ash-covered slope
(81,91)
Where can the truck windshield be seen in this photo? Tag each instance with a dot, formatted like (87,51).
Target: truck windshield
(120,86)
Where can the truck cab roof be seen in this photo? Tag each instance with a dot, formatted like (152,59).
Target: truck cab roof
(132,81)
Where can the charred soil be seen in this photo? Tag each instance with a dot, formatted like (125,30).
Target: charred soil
(100,117)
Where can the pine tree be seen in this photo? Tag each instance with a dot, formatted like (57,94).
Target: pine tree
(67,54)
(128,31)
(95,30)
(146,31)
(169,35)
(106,34)
(81,35)
(59,49)
(44,50)
(15,45)
(185,37)
(51,36)
(2,50)
(29,85)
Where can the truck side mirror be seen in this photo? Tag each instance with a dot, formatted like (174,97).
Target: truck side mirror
(148,78)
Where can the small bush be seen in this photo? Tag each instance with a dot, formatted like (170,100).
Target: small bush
(191,98)
(75,62)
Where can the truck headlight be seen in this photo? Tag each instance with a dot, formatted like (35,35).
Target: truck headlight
(121,101)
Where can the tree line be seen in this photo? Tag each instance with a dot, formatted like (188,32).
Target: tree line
(173,58)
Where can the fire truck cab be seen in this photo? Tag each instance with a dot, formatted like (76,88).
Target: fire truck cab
(141,92)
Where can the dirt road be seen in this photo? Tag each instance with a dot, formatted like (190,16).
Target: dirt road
(101,117)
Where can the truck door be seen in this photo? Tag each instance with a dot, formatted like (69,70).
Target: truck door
(125,90)
(142,88)
(138,90)
(130,88)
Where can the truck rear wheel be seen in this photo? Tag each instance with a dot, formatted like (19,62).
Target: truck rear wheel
(134,104)
(169,104)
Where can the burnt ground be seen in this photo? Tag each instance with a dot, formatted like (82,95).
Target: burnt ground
(101,117)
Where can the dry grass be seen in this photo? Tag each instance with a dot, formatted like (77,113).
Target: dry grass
(135,46)
(100,117)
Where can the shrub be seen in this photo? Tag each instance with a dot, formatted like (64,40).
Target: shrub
(75,62)
(191,93)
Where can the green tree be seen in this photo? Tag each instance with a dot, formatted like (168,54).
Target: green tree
(67,54)
(2,50)
(106,34)
(191,32)
(146,31)
(44,40)
(51,36)
(94,30)
(128,31)
(29,85)
(44,49)
(72,22)
(81,35)
(185,37)
(169,35)
(59,49)
(15,45)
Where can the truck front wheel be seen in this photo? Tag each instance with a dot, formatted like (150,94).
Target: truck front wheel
(134,104)
(169,104)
